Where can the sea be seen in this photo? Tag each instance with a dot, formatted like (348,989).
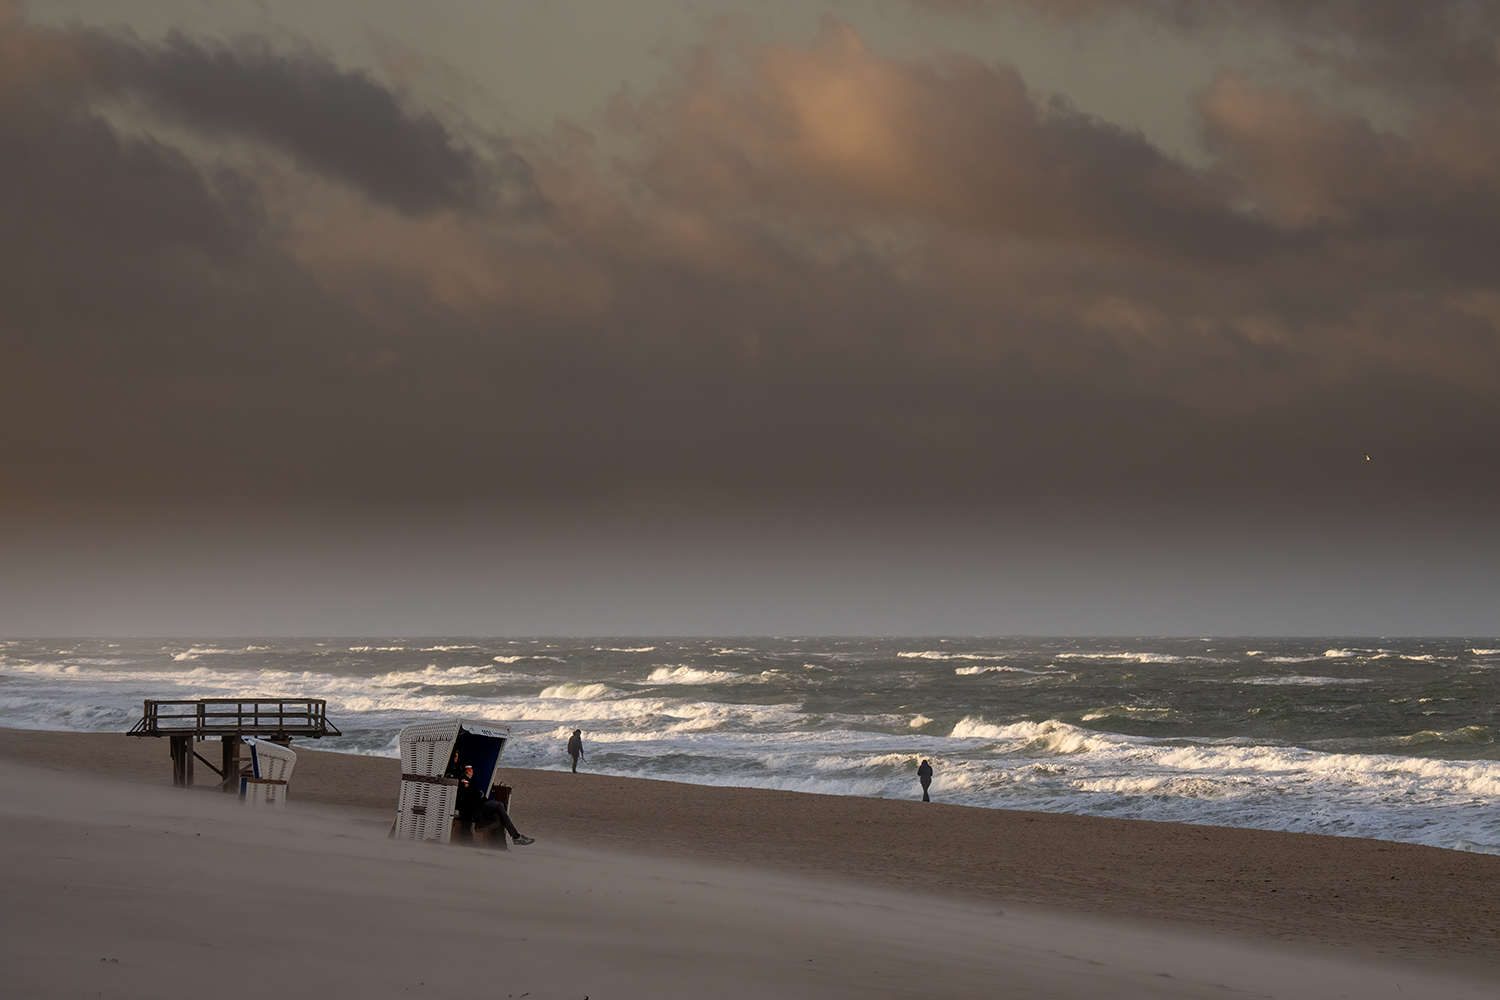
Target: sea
(1389,738)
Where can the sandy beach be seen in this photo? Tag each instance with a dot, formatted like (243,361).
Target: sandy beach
(117,884)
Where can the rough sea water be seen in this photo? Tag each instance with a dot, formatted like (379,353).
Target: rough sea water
(1390,738)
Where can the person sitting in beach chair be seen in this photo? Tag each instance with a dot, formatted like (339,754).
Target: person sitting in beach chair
(475,809)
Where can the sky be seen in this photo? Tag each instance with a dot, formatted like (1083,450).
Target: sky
(888,317)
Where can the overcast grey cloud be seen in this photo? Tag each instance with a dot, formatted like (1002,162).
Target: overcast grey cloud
(799,283)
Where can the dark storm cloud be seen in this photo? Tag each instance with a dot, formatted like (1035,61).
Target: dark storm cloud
(1447,45)
(340,123)
(822,276)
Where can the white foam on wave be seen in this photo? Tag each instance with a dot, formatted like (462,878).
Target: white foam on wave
(1303,681)
(1427,738)
(1130,657)
(1340,654)
(580,692)
(1485,652)
(1142,756)
(1052,735)
(1176,786)
(1415,779)
(624,719)
(1130,712)
(918,721)
(932,654)
(197,651)
(435,676)
(691,675)
(95,674)
(992,669)
(626,649)
(445,649)
(654,720)
(42,669)
(122,690)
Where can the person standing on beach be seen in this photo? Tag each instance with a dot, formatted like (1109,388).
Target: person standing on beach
(924,775)
(575,748)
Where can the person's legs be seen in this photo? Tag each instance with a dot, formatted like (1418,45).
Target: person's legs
(925,783)
(575,763)
(495,812)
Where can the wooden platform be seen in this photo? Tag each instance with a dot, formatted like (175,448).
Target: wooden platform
(276,720)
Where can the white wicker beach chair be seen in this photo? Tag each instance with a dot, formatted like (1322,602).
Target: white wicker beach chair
(271,769)
(428,796)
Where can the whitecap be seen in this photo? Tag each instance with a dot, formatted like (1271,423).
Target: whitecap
(579,692)
(971,671)
(438,676)
(1051,735)
(691,675)
(1131,657)
(197,651)
(1303,681)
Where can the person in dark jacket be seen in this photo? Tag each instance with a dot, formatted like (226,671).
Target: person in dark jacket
(474,806)
(575,748)
(924,775)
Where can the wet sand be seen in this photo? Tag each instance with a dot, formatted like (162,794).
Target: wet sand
(703,891)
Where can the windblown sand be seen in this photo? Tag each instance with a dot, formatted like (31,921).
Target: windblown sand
(115,884)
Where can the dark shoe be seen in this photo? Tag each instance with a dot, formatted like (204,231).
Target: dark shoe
(523,841)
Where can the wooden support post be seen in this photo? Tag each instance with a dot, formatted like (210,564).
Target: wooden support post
(231,768)
(182,761)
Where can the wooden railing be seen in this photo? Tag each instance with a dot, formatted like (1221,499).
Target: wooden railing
(266,717)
